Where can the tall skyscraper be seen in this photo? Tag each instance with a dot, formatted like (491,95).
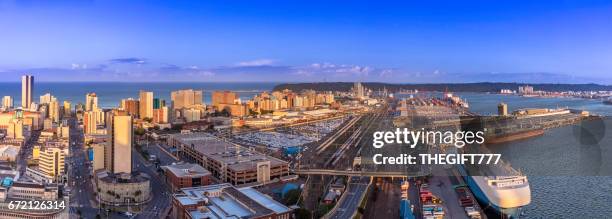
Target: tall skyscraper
(7,102)
(27,87)
(91,101)
(186,98)
(146,104)
(118,151)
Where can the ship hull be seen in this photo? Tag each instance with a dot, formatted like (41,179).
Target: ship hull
(514,136)
(486,203)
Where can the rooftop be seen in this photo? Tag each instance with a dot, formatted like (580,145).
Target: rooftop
(187,170)
(226,201)
(237,158)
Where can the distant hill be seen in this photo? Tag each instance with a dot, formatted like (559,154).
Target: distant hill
(454,87)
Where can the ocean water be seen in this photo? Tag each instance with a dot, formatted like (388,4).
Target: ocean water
(568,177)
(111,93)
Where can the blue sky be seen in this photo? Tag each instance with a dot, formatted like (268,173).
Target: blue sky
(407,41)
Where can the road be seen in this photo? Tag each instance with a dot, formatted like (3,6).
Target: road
(160,190)
(351,199)
(79,176)
(385,199)
(82,195)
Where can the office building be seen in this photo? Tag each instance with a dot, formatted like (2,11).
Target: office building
(7,102)
(118,151)
(91,101)
(51,160)
(27,89)
(226,201)
(186,98)
(146,104)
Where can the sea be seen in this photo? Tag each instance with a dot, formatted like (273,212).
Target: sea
(110,93)
(560,169)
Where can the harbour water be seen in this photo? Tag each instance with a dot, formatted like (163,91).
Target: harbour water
(568,179)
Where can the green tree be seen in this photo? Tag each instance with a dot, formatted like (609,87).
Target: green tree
(291,197)
(139,131)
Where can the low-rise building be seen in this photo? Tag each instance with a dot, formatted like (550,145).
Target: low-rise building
(226,201)
(123,189)
(186,175)
(226,161)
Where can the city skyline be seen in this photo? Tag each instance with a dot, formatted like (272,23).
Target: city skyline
(536,42)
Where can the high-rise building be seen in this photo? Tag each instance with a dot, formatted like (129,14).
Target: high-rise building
(100,116)
(160,116)
(51,161)
(7,102)
(131,106)
(118,150)
(67,109)
(47,98)
(146,104)
(90,122)
(91,101)
(186,98)
(156,103)
(223,97)
(27,87)
(54,111)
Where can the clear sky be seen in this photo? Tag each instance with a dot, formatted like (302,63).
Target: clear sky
(404,41)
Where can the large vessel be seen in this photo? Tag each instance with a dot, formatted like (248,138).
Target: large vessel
(608,101)
(499,188)
(517,135)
